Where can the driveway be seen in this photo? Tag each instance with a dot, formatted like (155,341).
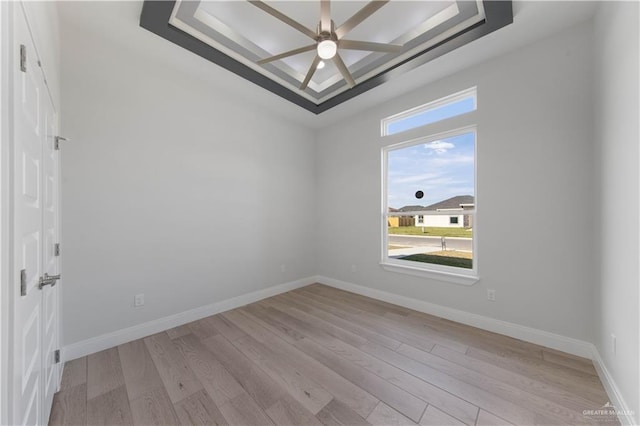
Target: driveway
(456,243)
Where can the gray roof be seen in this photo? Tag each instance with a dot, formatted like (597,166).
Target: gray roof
(451,203)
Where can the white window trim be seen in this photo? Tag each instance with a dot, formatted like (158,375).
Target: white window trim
(427,270)
(470,92)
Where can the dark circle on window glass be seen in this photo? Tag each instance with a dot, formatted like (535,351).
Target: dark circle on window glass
(419,194)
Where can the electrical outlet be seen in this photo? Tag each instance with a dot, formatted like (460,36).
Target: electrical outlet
(491,295)
(138,300)
(354,268)
(613,343)
(283,268)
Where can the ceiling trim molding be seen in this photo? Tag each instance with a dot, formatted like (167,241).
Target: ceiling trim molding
(156,14)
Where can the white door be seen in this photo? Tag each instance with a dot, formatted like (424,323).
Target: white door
(35,226)
(50,253)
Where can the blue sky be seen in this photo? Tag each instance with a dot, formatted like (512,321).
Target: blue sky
(441,169)
(432,115)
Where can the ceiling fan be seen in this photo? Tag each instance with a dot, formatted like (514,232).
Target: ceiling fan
(328,39)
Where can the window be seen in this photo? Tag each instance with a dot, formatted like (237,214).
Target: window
(431,177)
(441,109)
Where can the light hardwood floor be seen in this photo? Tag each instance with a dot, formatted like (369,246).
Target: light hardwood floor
(317,356)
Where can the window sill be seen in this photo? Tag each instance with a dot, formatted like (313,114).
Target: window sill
(462,279)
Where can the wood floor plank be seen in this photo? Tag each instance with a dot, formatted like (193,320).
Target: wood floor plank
(179,331)
(380,325)
(396,320)
(393,395)
(541,389)
(174,371)
(226,328)
(432,333)
(153,408)
(338,414)
(110,408)
(203,328)
(255,382)
(556,376)
(217,381)
(565,360)
(383,415)
(308,393)
(140,373)
(488,419)
(368,304)
(435,417)
(437,392)
(481,338)
(353,396)
(75,373)
(104,373)
(387,371)
(322,325)
(199,409)
(505,399)
(302,304)
(243,410)
(290,413)
(70,406)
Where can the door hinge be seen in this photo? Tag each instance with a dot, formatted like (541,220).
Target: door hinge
(57,140)
(23,282)
(56,249)
(23,58)
(56,356)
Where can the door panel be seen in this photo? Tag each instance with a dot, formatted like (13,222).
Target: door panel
(50,260)
(35,192)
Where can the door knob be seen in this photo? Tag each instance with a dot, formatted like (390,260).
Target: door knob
(48,280)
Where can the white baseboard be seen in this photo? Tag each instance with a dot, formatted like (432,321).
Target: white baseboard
(118,337)
(626,416)
(528,334)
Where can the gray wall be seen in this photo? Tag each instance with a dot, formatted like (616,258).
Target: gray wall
(172,188)
(534,154)
(617,154)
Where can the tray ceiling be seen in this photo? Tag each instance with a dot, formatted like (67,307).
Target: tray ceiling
(238,34)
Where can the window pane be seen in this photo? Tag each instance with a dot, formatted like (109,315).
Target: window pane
(441,230)
(431,115)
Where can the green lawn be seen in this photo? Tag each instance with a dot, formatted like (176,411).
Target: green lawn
(431,231)
(457,260)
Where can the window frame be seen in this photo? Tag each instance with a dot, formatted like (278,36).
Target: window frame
(440,102)
(443,129)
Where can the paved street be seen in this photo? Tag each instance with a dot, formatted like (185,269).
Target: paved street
(465,244)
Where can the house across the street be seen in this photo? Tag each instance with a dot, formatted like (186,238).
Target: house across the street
(456,219)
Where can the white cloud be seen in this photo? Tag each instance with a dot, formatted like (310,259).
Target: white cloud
(458,159)
(439,147)
(416,178)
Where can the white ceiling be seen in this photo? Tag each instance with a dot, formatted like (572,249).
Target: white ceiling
(247,34)
(119,23)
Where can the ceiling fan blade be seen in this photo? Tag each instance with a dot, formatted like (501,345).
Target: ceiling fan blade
(325,15)
(360,16)
(344,70)
(367,45)
(286,54)
(284,18)
(312,70)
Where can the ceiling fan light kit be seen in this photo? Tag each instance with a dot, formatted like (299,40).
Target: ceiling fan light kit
(367,42)
(327,49)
